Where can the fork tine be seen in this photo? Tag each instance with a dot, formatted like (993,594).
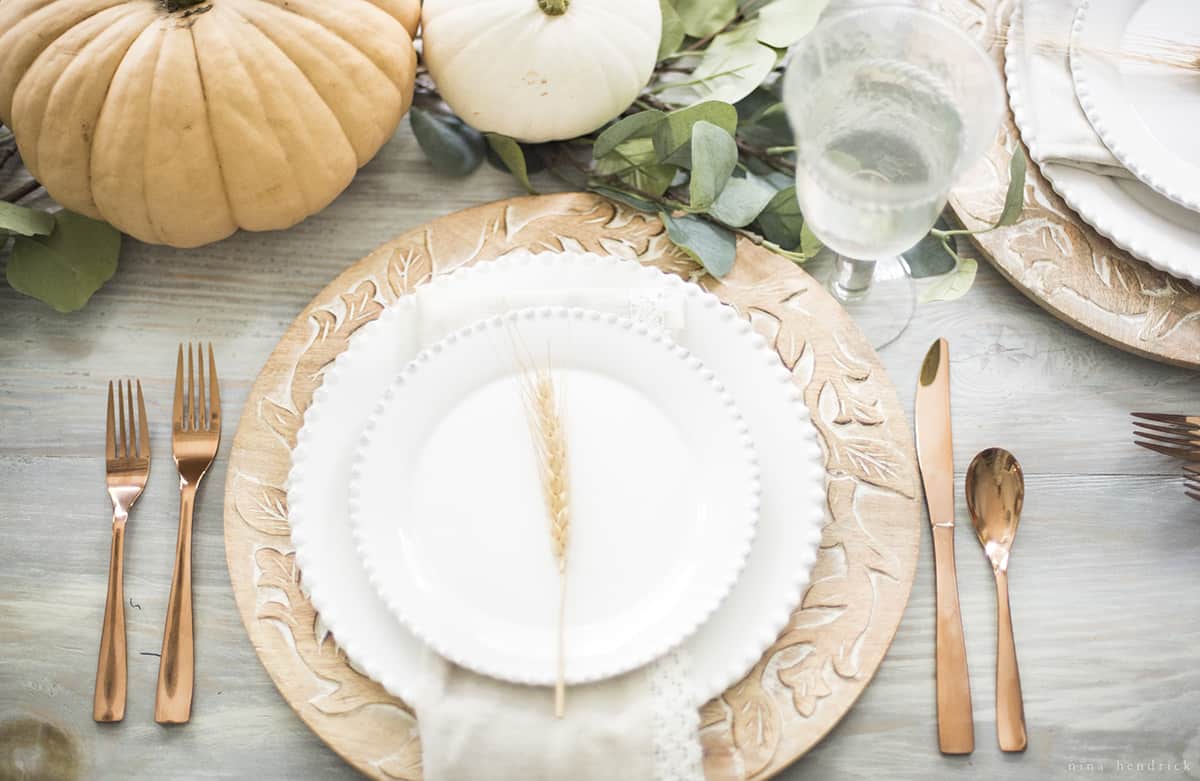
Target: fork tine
(110,429)
(214,393)
(143,429)
(123,451)
(1166,429)
(1183,440)
(1175,452)
(201,411)
(177,409)
(132,451)
(191,394)
(1162,417)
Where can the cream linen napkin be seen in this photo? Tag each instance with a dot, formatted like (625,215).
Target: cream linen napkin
(642,726)
(1064,135)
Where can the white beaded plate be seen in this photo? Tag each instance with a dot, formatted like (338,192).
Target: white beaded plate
(792,474)
(448,510)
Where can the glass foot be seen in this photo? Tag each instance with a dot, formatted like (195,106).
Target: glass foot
(881,300)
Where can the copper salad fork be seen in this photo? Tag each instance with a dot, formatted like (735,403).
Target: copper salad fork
(1171,435)
(126,466)
(195,435)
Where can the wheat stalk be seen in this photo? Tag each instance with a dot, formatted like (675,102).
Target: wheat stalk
(1147,49)
(544,409)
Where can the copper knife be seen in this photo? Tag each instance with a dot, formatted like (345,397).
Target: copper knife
(935,454)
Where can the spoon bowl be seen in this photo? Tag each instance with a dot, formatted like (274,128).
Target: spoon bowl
(995,497)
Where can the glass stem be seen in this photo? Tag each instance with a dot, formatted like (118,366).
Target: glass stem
(852,278)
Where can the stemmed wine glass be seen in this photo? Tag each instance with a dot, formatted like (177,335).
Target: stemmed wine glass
(889,106)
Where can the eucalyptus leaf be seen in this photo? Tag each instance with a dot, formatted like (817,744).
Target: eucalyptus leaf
(714,155)
(639,125)
(702,18)
(672,29)
(629,199)
(742,201)
(66,267)
(636,163)
(453,147)
(710,245)
(1014,199)
(513,157)
(781,221)
(673,138)
(783,22)
(762,120)
(810,245)
(930,257)
(20,221)
(953,285)
(733,65)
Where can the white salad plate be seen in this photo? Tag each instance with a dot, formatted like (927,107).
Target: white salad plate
(447,502)
(1146,113)
(1148,225)
(792,477)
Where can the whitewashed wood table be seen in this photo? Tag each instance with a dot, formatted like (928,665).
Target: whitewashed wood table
(1105,578)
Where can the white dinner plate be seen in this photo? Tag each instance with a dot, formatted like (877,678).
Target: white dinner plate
(1149,226)
(792,477)
(1146,113)
(448,509)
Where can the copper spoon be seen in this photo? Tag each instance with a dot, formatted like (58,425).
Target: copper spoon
(995,494)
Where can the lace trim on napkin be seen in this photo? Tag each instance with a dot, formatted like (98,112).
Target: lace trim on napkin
(676,721)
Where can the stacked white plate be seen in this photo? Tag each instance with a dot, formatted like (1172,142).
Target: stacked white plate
(696,482)
(1141,106)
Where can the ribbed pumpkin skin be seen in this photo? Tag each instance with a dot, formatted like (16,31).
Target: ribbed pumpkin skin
(179,128)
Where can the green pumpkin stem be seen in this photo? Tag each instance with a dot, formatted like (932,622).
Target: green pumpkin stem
(554,7)
(179,5)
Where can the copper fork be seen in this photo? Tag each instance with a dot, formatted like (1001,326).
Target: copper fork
(1171,435)
(1191,481)
(195,435)
(127,466)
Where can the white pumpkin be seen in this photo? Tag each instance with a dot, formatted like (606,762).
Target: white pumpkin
(540,70)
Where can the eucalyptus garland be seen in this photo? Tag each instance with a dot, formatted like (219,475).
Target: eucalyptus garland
(706,145)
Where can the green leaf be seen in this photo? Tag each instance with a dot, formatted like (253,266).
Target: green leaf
(762,120)
(710,245)
(733,65)
(953,285)
(672,29)
(20,221)
(636,163)
(931,257)
(810,245)
(510,153)
(714,155)
(702,18)
(673,138)
(454,148)
(1014,199)
(783,22)
(781,221)
(65,268)
(639,125)
(742,201)
(629,199)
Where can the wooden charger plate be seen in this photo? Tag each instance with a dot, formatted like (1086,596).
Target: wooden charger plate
(1058,260)
(836,639)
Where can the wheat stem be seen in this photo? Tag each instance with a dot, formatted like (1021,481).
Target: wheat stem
(545,417)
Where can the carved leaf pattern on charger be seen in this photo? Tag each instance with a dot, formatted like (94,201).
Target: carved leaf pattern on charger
(808,678)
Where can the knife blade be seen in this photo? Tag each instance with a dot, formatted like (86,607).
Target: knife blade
(935,455)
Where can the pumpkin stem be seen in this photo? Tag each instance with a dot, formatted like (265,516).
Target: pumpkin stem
(179,5)
(554,7)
